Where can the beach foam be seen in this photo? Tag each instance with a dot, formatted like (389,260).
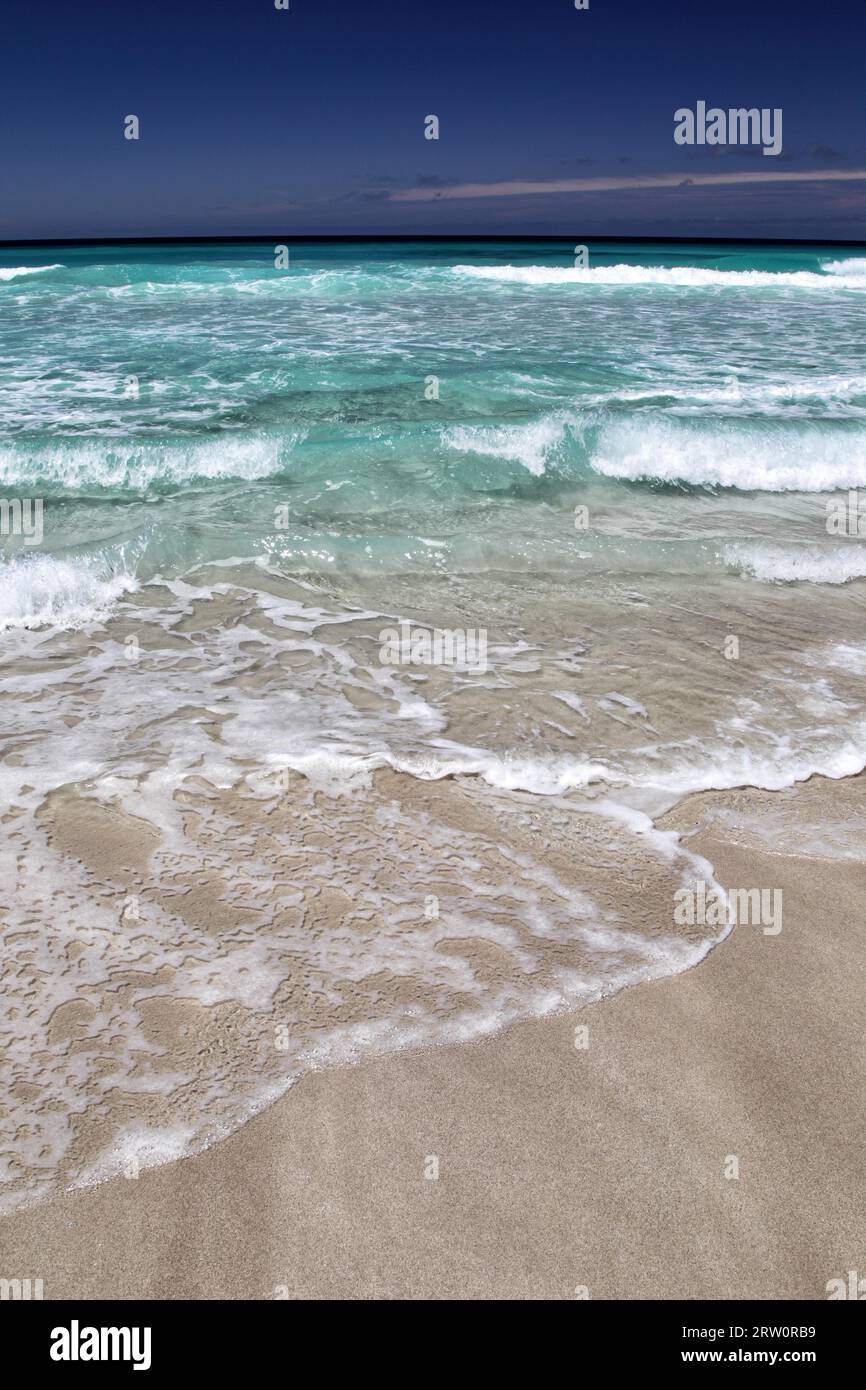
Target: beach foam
(261,820)
(798,564)
(43,591)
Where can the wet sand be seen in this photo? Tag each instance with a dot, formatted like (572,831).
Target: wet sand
(563,1170)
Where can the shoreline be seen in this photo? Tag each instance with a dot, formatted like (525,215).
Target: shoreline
(560,1168)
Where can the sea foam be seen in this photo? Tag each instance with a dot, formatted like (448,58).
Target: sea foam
(136,465)
(13,272)
(797,564)
(42,590)
(803,459)
(676,277)
(528,444)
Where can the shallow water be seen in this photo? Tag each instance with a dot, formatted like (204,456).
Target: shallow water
(230,806)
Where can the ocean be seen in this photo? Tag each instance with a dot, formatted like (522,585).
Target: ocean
(363,608)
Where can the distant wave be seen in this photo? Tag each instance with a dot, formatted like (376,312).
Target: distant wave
(674,276)
(795,564)
(130,465)
(132,281)
(761,395)
(11,272)
(40,590)
(752,460)
(853,265)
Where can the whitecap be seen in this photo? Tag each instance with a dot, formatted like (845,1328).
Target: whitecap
(757,460)
(12,272)
(798,564)
(678,277)
(42,590)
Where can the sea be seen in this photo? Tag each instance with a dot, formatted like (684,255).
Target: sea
(364,607)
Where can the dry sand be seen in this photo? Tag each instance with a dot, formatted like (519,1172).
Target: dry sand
(560,1168)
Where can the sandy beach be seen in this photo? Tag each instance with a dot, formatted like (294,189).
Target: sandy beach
(564,1170)
(432,670)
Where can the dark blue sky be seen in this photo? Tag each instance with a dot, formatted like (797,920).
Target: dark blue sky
(255,120)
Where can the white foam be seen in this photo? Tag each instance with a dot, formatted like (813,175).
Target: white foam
(42,590)
(846,657)
(630,706)
(728,767)
(675,277)
(649,785)
(145,751)
(797,564)
(573,701)
(765,396)
(136,466)
(135,1148)
(760,460)
(851,265)
(722,452)
(12,272)
(545,776)
(527,444)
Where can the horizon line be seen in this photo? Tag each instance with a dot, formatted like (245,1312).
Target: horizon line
(420,237)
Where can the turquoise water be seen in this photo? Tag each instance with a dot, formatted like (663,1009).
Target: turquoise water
(228,790)
(197,388)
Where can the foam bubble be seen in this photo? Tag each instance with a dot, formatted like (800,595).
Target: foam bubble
(38,591)
(797,564)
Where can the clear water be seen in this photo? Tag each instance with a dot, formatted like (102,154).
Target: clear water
(620,476)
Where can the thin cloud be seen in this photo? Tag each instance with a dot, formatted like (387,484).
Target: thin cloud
(517,187)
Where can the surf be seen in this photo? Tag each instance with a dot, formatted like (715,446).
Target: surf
(673,277)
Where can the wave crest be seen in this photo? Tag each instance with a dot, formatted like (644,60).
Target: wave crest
(42,590)
(681,276)
(134,466)
(797,564)
(12,272)
(751,460)
(526,444)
